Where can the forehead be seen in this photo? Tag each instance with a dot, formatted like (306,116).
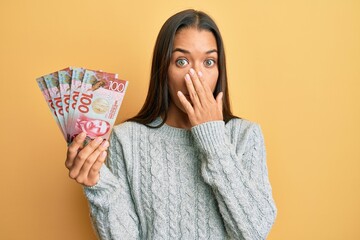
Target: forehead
(195,39)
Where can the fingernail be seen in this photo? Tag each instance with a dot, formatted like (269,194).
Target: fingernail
(105,144)
(200,74)
(192,71)
(187,77)
(82,135)
(98,140)
(179,93)
(103,154)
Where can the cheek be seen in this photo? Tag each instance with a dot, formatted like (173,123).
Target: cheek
(176,79)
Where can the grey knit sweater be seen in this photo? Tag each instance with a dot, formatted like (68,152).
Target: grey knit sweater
(210,182)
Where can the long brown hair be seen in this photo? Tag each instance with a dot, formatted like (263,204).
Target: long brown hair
(158,99)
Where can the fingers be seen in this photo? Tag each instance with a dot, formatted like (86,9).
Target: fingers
(197,87)
(74,148)
(96,158)
(192,91)
(208,91)
(219,101)
(93,174)
(88,154)
(186,104)
(203,107)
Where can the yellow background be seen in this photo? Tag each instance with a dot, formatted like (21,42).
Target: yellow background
(294,67)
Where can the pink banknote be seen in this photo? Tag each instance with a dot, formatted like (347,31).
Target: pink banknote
(49,101)
(64,82)
(52,85)
(75,89)
(98,105)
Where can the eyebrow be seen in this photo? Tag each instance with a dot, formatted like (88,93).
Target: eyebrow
(188,52)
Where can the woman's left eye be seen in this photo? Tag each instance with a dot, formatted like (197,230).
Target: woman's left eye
(209,62)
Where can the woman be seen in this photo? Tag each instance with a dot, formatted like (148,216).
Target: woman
(184,167)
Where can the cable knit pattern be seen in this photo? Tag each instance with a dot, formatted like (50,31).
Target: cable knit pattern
(172,171)
(210,182)
(145,199)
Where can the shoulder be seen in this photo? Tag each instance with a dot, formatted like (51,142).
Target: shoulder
(126,132)
(243,130)
(242,126)
(128,128)
(124,126)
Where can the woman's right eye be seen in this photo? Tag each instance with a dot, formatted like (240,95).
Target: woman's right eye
(182,62)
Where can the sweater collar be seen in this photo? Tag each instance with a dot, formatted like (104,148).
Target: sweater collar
(172,133)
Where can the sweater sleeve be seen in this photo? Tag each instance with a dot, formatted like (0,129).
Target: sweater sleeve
(111,206)
(237,172)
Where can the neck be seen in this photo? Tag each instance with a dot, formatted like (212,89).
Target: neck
(177,118)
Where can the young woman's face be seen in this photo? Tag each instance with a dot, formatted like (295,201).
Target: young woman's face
(195,49)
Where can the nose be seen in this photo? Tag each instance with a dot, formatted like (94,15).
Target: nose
(198,67)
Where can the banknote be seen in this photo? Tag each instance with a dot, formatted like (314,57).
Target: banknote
(98,106)
(52,85)
(64,82)
(49,101)
(94,79)
(83,100)
(75,89)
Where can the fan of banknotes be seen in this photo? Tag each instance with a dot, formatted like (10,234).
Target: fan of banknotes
(83,100)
